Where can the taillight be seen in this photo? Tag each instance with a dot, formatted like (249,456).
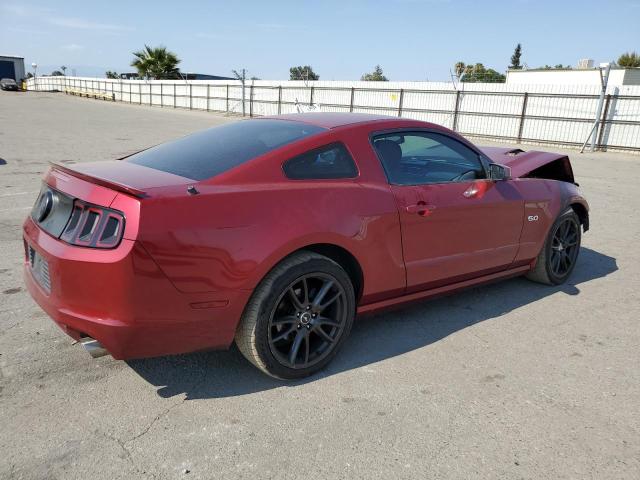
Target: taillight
(93,226)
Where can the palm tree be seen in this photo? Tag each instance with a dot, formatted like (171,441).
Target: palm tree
(156,63)
(629,59)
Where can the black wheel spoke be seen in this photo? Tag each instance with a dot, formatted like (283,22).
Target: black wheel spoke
(319,331)
(283,335)
(294,299)
(555,262)
(307,342)
(327,321)
(284,320)
(295,347)
(317,301)
(323,306)
(305,290)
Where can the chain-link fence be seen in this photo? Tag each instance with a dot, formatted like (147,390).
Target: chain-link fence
(537,114)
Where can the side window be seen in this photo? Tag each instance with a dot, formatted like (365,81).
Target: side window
(328,162)
(418,158)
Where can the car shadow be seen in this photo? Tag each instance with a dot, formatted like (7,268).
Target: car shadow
(373,339)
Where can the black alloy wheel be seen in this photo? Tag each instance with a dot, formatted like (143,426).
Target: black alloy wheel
(559,254)
(564,247)
(308,319)
(298,317)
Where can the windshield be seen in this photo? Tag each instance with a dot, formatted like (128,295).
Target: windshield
(208,153)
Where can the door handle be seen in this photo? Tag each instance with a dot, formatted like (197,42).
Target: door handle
(420,208)
(472,191)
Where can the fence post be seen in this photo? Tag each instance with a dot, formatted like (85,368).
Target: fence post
(151,95)
(140,94)
(400,102)
(208,94)
(174,95)
(279,99)
(605,112)
(129,92)
(455,112)
(162,94)
(311,97)
(523,113)
(251,100)
(227,99)
(353,90)
(190,97)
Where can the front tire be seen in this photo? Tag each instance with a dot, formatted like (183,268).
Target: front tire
(559,254)
(298,316)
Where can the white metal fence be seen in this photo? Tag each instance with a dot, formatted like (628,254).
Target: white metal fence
(545,114)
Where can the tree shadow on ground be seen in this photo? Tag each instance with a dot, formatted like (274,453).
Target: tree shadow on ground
(373,338)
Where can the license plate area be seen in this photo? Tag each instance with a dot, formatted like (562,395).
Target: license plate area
(39,269)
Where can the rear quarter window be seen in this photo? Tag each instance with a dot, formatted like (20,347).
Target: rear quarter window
(208,153)
(328,162)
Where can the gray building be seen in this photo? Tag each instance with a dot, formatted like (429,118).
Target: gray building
(12,67)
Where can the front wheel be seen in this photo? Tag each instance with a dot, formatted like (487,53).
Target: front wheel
(559,253)
(298,316)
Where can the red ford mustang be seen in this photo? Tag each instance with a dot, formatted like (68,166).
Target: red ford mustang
(275,232)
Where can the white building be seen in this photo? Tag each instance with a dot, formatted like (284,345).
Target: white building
(589,76)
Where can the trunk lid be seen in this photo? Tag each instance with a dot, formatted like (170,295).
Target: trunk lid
(125,177)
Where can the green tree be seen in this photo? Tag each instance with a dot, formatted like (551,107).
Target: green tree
(110,74)
(559,66)
(303,73)
(629,59)
(376,76)
(156,63)
(515,58)
(478,73)
(57,73)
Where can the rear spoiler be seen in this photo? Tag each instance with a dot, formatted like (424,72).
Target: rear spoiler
(99,181)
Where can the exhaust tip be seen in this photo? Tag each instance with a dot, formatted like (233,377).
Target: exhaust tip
(94,347)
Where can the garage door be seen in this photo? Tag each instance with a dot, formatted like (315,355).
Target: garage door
(7,70)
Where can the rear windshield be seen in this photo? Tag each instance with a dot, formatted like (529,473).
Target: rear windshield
(206,154)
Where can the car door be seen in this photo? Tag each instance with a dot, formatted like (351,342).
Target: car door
(456,223)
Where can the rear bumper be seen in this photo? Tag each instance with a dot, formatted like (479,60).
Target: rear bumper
(122,299)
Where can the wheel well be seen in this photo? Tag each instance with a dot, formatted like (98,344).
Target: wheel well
(583,215)
(345,259)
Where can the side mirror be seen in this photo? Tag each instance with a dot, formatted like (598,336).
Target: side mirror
(499,172)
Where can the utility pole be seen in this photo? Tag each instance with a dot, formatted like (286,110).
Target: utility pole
(35,75)
(604,80)
(242,79)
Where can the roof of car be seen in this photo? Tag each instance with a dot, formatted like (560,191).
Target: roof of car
(332,119)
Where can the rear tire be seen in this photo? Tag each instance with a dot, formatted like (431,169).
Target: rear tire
(559,254)
(298,316)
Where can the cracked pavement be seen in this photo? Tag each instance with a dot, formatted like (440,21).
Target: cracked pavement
(511,380)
